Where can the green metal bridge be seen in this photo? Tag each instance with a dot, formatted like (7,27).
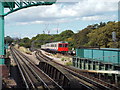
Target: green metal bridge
(15,5)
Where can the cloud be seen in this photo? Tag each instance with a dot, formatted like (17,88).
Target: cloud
(63,12)
(96,18)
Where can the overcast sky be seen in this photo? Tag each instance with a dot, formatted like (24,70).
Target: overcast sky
(61,16)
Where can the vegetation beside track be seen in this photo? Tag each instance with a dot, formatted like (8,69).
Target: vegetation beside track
(93,35)
(23,49)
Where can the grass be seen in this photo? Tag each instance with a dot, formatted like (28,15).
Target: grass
(25,50)
(69,63)
(62,59)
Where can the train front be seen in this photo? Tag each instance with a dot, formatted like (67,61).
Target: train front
(63,47)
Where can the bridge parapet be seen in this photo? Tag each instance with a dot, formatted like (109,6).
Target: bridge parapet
(61,76)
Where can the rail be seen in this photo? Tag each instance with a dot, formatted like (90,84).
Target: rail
(35,74)
(83,76)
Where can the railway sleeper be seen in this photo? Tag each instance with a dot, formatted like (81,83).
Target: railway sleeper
(62,77)
(50,69)
(98,85)
(61,82)
(39,85)
(106,86)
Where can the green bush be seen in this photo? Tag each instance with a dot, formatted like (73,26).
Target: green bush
(69,63)
(62,59)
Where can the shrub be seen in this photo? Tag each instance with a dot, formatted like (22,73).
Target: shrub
(69,63)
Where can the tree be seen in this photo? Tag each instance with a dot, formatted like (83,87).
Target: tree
(93,35)
(8,40)
(25,42)
(102,24)
(81,38)
(103,36)
(70,40)
(41,39)
(66,34)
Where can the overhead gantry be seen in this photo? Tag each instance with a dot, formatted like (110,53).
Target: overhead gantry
(15,5)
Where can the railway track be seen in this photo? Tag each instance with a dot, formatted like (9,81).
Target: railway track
(82,77)
(33,77)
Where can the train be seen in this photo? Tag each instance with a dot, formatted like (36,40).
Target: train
(56,47)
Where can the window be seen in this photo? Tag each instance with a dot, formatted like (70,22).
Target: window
(60,45)
(66,45)
(52,45)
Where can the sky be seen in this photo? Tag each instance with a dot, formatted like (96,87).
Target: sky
(72,15)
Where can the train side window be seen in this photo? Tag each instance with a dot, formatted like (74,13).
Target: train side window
(60,45)
(66,45)
(55,45)
(52,45)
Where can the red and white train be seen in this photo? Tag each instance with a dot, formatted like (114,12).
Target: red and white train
(56,46)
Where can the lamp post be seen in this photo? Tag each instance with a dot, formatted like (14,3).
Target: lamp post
(114,39)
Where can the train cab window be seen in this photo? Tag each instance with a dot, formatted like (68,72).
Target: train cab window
(60,45)
(66,45)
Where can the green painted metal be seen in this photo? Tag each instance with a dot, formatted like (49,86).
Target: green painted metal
(21,4)
(1,32)
(15,5)
(9,4)
(104,55)
(97,66)
(80,53)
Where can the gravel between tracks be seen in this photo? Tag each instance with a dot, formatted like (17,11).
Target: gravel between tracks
(32,57)
(58,58)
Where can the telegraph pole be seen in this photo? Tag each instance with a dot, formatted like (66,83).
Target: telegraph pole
(114,39)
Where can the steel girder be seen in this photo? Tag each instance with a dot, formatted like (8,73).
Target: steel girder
(15,5)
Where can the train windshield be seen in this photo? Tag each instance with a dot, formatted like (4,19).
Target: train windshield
(60,45)
(66,45)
